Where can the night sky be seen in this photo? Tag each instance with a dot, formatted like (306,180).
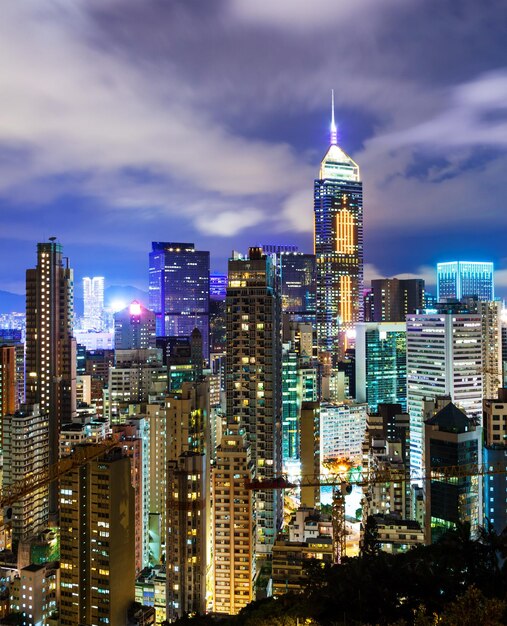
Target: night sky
(127,121)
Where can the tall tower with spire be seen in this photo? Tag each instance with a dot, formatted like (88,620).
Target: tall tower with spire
(338,242)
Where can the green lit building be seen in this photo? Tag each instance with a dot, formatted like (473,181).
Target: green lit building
(290,405)
(381,369)
(452,440)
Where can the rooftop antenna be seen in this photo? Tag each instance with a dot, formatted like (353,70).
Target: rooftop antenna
(334,134)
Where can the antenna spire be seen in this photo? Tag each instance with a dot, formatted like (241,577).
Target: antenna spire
(334,134)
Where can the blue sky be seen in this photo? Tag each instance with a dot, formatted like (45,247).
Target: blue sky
(123,122)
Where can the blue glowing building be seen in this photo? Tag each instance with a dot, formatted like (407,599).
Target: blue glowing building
(180,290)
(459,279)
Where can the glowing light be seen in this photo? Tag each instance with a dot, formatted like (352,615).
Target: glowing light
(351,333)
(334,134)
(135,308)
(117,305)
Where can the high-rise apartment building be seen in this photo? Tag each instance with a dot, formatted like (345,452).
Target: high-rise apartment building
(381,367)
(444,357)
(180,290)
(253,378)
(97,542)
(392,299)
(495,455)
(459,279)
(134,328)
(50,347)
(93,303)
(342,429)
(8,386)
(491,317)
(233,524)
(26,454)
(338,203)
(187,534)
(451,439)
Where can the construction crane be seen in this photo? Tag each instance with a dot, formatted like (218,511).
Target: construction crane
(342,482)
(81,456)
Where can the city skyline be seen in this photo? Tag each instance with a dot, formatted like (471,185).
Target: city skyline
(107,189)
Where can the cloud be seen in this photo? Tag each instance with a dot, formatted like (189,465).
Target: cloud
(427,273)
(227,223)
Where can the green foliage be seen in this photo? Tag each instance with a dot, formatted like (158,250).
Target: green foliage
(455,582)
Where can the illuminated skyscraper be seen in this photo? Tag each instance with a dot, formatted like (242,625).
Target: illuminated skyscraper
(459,279)
(338,204)
(50,347)
(381,363)
(253,379)
(179,290)
(93,302)
(444,358)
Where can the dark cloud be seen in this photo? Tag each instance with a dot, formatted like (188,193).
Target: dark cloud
(124,121)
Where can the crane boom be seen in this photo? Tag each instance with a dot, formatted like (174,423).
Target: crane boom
(81,456)
(362,477)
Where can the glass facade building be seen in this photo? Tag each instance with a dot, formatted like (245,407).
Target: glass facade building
(180,290)
(381,367)
(297,280)
(459,279)
(338,206)
(290,406)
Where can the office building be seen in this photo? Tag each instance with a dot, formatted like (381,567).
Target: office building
(93,303)
(134,328)
(253,378)
(391,299)
(460,279)
(50,347)
(451,439)
(338,198)
(97,542)
(381,368)
(217,286)
(233,525)
(297,285)
(26,454)
(290,405)
(342,429)
(8,384)
(396,535)
(180,290)
(444,357)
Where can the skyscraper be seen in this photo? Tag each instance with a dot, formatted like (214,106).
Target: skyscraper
(297,282)
(381,367)
(451,439)
(253,378)
(179,290)
(233,524)
(444,357)
(458,279)
(97,540)
(338,203)
(93,303)
(50,347)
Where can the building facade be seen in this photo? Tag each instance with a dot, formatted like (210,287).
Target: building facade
(392,299)
(93,303)
(253,378)
(97,542)
(381,366)
(180,290)
(134,328)
(444,358)
(459,279)
(50,346)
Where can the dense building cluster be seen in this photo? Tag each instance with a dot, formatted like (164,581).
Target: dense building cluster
(194,452)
